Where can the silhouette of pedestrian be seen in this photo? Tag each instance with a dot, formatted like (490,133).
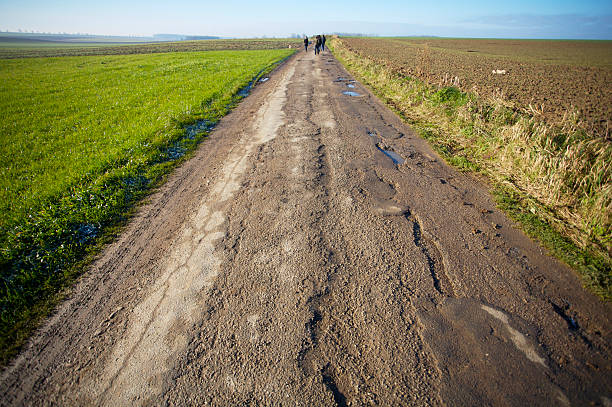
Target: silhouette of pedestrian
(323,43)
(318,44)
(306,44)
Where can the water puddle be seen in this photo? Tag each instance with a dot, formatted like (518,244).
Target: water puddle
(86,232)
(244,92)
(264,79)
(198,127)
(351,93)
(179,148)
(136,182)
(175,152)
(350,85)
(571,322)
(395,157)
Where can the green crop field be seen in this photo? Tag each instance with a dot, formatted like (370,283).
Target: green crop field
(83,138)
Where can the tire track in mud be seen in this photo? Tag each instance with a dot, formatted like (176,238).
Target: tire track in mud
(340,352)
(424,241)
(327,356)
(384,202)
(465,312)
(280,272)
(433,255)
(159,326)
(307,356)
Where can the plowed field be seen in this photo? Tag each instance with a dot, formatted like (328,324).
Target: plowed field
(63,50)
(554,77)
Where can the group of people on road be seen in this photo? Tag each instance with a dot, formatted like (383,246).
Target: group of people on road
(319,44)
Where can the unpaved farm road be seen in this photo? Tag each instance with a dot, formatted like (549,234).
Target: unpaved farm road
(293,262)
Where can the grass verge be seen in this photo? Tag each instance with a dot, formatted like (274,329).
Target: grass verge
(554,180)
(85,139)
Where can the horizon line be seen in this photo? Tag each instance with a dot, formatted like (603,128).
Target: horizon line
(288,36)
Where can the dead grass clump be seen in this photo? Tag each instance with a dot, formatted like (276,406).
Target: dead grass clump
(564,169)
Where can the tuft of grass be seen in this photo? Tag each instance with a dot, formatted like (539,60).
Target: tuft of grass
(85,139)
(449,95)
(554,179)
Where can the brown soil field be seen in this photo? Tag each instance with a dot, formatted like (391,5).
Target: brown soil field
(10,52)
(555,77)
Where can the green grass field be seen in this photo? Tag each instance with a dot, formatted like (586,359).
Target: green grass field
(83,138)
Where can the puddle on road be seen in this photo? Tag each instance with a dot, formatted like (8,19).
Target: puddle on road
(351,93)
(350,85)
(264,79)
(571,322)
(395,157)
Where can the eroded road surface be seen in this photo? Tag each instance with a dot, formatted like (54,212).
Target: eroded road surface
(315,251)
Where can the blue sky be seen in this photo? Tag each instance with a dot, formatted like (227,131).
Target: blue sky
(591,19)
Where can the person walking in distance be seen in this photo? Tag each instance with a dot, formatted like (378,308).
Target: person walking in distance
(323,42)
(318,44)
(306,44)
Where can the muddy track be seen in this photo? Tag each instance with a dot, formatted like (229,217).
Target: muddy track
(315,251)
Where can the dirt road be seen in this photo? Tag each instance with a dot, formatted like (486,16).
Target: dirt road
(315,251)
